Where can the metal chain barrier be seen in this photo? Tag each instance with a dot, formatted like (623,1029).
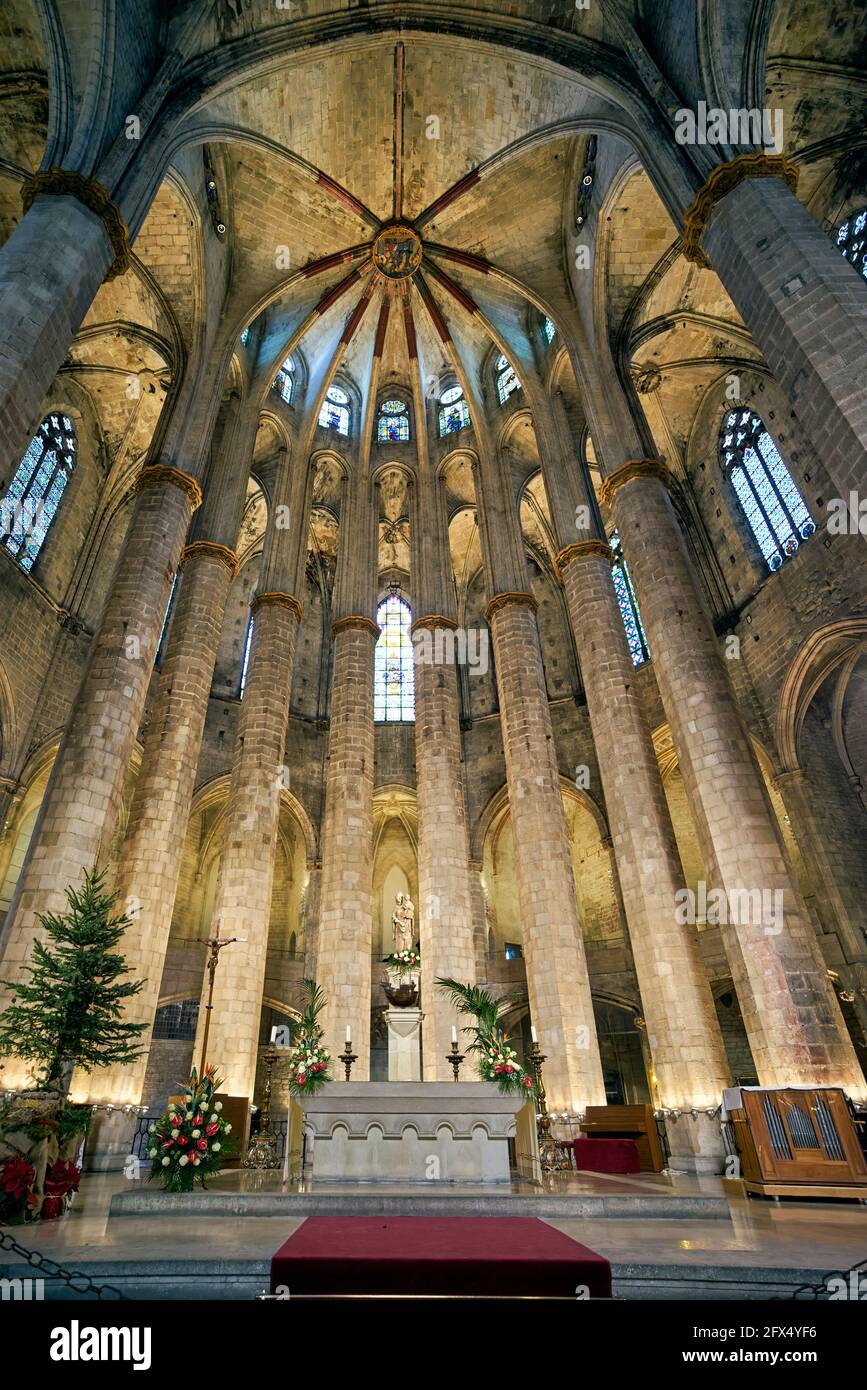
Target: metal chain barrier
(76,1280)
(849,1278)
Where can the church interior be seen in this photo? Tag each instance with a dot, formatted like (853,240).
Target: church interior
(432,548)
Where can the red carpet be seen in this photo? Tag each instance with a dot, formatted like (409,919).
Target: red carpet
(486,1256)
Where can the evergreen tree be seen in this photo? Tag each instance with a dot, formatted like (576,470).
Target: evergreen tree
(70,1012)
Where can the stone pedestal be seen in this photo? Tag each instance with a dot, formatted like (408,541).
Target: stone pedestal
(387,1132)
(404,1044)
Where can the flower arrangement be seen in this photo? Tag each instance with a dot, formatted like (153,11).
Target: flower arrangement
(309,1059)
(17,1195)
(189,1143)
(497,1061)
(404,961)
(61,1182)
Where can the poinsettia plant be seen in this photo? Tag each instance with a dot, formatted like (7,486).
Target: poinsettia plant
(496,1061)
(404,961)
(309,1058)
(17,1196)
(190,1142)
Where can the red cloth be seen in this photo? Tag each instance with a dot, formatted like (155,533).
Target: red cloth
(482,1255)
(606,1155)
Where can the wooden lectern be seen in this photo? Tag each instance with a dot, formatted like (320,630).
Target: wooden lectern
(627,1122)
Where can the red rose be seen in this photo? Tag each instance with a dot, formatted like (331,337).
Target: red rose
(197,1120)
(300,1079)
(527,1082)
(201,1144)
(212,1127)
(182,1140)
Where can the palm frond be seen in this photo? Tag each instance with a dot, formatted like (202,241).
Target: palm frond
(470,999)
(315,1003)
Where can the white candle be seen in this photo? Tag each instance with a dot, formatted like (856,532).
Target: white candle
(454,1036)
(348,1035)
(533,1037)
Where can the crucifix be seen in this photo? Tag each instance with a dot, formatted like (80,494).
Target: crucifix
(215,945)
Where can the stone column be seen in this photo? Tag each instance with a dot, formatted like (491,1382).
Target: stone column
(150,861)
(83,798)
(68,242)
(243,903)
(445,906)
(793,1022)
(805,305)
(558,984)
(346,906)
(682,1029)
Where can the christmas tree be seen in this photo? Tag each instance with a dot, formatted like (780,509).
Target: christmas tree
(70,1012)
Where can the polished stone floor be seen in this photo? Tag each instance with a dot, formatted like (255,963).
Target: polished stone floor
(759,1248)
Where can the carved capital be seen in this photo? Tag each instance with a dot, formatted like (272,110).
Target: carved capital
(564,557)
(158,474)
(634,468)
(433,621)
(354,622)
(212,551)
(719,183)
(274,599)
(67,183)
(509,600)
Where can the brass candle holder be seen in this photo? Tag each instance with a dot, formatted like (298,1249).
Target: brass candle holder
(455,1058)
(347,1058)
(262,1151)
(552,1156)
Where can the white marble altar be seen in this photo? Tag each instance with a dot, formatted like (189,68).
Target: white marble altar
(387,1131)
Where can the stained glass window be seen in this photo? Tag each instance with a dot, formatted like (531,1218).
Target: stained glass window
(30,503)
(284,381)
(628,603)
(769,498)
(549,328)
(507,381)
(852,240)
(454,412)
(393,424)
(334,414)
(393,676)
(245,659)
(245,335)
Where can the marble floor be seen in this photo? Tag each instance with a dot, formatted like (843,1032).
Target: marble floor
(762,1249)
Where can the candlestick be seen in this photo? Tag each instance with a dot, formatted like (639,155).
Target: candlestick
(347,1058)
(551,1153)
(262,1152)
(455,1058)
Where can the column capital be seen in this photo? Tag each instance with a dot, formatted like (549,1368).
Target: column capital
(355,622)
(790,776)
(509,600)
(210,550)
(158,474)
(720,182)
(68,183)
(434,620)
(633,468)
(594,546)
(275,599)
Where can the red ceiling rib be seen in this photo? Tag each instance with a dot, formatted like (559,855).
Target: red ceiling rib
(337,291)
(382,326)
(454,289)
(409,327)
(433,309)
(460,257)
(399,80)
(357,314)
(450,196)
(351,253)
(348,199)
